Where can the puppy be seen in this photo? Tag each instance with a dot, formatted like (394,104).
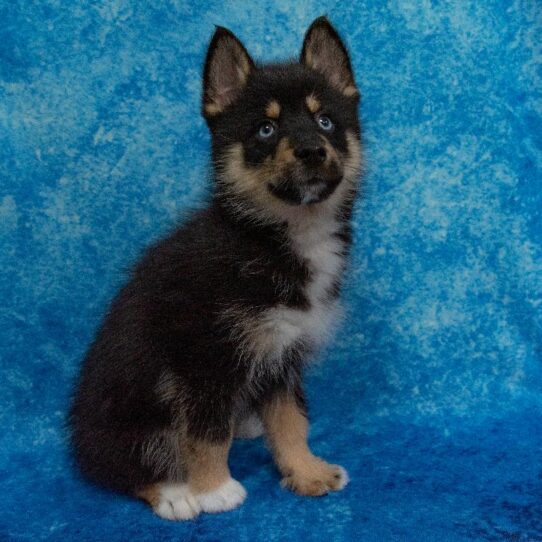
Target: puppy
(210,336)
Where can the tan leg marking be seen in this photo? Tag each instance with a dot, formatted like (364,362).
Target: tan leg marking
(208,486)
(286,428)
(206,464)
(208,476)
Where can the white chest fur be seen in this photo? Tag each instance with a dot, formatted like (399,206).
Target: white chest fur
(265,337)
(316,243)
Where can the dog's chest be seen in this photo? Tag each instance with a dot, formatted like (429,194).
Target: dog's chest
(323,253)
(282,328)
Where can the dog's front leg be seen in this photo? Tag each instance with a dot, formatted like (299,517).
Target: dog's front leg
(286,429)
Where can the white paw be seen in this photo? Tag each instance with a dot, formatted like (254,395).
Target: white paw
(177,502)
(227,497)
(343,480)
(249,427)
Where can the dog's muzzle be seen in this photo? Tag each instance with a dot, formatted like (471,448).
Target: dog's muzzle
(313,190)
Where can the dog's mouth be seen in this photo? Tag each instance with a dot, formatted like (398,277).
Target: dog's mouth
(308,192)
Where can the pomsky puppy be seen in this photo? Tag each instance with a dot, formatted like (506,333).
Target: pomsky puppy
(209,338)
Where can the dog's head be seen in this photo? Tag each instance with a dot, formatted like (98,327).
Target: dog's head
(285,136)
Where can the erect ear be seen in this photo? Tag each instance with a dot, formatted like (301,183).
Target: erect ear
(227,68)
(324,52)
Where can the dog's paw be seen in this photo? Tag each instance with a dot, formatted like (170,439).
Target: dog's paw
(175,502)
(316,478)
(228,496)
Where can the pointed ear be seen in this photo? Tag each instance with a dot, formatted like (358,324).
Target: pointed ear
(323,51)
(227,68)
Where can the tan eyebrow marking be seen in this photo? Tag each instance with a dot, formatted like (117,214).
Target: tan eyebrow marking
(273,109)
(212,109)
(312,103)
(350,90)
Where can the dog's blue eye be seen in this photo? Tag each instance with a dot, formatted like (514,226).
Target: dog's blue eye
(266,130)
(325,123)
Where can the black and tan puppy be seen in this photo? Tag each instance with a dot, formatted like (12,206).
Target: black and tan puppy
(210,336)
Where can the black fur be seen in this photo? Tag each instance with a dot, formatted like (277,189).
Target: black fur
(168,319)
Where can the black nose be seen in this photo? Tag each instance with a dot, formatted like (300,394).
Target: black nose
(311,156)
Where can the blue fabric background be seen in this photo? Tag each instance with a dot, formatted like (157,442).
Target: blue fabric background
(431,393)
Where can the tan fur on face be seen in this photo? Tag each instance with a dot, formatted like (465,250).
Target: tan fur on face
(206,464)
(261,205)
(331,153)
(286,429)
(251,182)
(284,154)
(313,103)
(245,181)
(213,109)
(273,110)
(351,162)
(350,91)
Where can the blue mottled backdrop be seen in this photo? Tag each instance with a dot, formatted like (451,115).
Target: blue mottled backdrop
(431,392)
